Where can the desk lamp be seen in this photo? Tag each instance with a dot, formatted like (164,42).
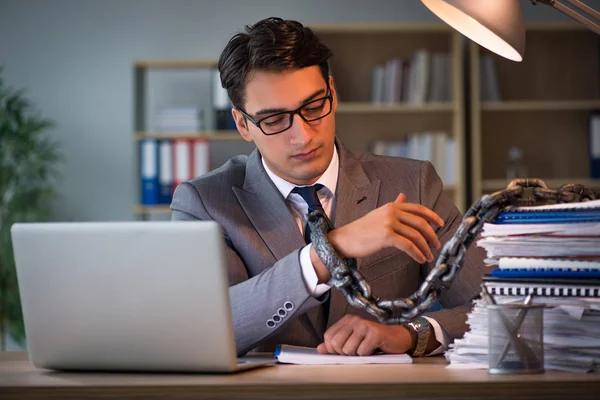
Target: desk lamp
(498,25)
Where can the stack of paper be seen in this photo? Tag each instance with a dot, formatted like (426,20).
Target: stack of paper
(553,254)
(571,335)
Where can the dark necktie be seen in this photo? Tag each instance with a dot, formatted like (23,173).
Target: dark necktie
(309,194)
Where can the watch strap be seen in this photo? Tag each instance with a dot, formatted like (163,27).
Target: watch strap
(422,327)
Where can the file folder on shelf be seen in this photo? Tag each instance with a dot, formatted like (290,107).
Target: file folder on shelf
(150,194)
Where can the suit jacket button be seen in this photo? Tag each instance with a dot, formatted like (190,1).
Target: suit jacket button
(281,312)
(271,323)
(288,305)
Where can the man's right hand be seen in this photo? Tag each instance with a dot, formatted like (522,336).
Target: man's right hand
(406,226)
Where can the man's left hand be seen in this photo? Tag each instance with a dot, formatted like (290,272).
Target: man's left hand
(353,335)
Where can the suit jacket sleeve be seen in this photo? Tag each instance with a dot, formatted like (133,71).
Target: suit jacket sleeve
(457,300)
(279,290)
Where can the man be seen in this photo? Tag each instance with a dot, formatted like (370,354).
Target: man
(389,213)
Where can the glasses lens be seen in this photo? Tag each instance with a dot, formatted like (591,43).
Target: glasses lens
(311,111)
(275,123)
(316,109)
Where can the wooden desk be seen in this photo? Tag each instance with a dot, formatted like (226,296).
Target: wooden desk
(426,379)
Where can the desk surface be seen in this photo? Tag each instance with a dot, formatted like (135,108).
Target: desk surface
(428,378)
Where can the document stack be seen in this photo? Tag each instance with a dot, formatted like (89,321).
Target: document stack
(553,254)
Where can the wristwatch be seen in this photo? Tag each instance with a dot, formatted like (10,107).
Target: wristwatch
(422,328)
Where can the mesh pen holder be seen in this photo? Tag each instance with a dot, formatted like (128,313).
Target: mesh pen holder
(516,339)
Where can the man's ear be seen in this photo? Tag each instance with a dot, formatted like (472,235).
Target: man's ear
(333,93)
(241,124)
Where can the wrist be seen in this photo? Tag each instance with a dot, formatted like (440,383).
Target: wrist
(321,270)
(334,240)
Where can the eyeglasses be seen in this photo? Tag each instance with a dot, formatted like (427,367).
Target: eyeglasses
(280,122)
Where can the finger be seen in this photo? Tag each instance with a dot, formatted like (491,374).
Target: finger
(402,243)
(422,211)
(415,237)
(400,199)
(421,225)
(338,341)
(322,349)
(368,345)
(353,342)
(332,331)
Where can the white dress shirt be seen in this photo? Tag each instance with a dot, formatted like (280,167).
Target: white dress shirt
(299,210)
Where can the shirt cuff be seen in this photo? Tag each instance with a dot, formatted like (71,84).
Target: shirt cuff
(310,275)
(440,335)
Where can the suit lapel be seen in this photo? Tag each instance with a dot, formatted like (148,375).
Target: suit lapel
(267,211)
(356,196)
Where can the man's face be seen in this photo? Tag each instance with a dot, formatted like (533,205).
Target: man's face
(302,153)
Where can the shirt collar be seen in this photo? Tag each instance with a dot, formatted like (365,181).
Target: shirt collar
(328,179)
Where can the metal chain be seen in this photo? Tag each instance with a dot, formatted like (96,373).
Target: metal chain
(346,277)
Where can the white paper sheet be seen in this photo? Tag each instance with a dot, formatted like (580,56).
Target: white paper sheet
(309,356)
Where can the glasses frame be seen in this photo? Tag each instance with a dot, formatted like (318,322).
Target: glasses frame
(291,114)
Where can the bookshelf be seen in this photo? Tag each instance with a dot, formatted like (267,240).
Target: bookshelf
(220,141)
(357,49)
(543,108)
(359,121)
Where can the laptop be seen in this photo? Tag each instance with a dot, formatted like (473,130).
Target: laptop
(126,296)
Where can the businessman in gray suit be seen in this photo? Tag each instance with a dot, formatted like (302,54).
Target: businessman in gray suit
(389,213)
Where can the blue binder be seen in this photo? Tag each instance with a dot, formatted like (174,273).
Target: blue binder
(548,217)
(150,192)
(544,273)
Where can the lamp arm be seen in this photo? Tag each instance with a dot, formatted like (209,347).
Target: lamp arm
(585,8)
(590,23)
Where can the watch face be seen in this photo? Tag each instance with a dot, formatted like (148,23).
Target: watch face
(419,323)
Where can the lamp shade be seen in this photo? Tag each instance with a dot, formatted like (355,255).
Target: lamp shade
(496,25)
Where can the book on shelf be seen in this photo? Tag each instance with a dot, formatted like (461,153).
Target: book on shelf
(425,77)
(566,281)
(434,146)
(440,88)
(165,175)
(201,157)
(489,90)
(182,162)
(149,190)
(221,104)
(190,159)
(166,163)
(179,120)
(420,70)
(377,84)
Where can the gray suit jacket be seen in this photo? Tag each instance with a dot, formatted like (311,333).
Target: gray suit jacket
(262,243)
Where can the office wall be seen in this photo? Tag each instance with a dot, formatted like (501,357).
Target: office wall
(74,58)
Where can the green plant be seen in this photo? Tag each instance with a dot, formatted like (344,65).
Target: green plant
(28,161)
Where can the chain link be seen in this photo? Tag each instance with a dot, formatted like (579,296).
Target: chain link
(346,277)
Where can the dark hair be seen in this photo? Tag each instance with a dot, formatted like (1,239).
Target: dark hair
(274,45)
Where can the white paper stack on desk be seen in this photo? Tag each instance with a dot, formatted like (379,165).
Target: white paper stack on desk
(553,253)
